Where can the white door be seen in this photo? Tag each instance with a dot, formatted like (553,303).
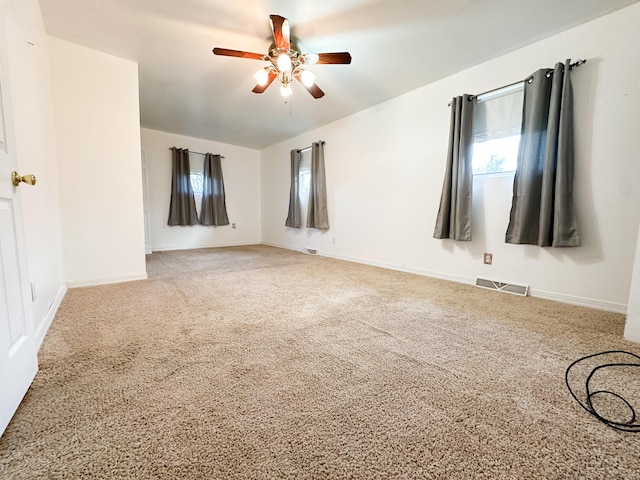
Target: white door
(18,355)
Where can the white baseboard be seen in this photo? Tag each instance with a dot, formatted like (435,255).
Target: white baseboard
(388,266)
(403,268)
(557,297)
(50,315)
(168,248)
(105,281)
(580,301)
(284,247)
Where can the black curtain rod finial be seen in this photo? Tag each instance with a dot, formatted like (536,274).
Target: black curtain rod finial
(578,63)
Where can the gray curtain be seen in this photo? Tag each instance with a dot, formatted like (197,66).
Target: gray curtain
(454,214)
(294,215)
(542,211)
(317,216)
(214,207)
(182,208)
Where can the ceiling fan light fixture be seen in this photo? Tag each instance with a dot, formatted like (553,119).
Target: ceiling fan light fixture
(262,76)
(285,89)
(308,78)
(284,62)
(310,58)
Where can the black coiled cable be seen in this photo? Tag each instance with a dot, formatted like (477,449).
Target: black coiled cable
(632,424)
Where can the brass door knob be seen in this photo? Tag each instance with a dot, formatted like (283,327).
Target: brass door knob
(16,179)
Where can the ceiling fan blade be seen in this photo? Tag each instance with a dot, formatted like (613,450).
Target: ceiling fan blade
(314,89)
(237,53)
(281,32)
(261,88)
(337,57)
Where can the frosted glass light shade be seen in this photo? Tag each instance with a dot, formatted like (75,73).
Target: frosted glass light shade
(285,90)
(308,78)
(261,77)
(284,62)
(311,58)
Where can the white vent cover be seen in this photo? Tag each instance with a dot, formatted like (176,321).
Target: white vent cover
(512,288)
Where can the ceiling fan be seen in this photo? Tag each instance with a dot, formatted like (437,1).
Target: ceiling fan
(286,62)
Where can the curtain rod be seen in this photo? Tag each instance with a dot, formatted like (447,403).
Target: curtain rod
(577,63)
(310,147)
(197,153)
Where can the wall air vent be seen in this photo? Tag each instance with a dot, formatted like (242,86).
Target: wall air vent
(512,288)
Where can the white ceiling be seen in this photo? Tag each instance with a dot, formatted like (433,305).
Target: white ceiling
(396,45)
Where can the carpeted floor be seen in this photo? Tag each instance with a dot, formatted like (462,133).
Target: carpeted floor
(261,363)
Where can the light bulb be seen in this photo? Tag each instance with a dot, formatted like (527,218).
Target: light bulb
(311,58)
(284,62)
(262,76)
(285,90)
(308,78)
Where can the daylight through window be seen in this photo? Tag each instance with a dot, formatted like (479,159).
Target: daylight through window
(497,122)
(197,179)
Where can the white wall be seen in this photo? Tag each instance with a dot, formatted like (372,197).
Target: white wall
(98,136)
(241,173)
(385,166)
(632,328)
(36,153)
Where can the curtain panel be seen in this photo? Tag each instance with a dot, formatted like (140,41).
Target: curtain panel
(214,207)
(542,210)
(294,217)
(182,206)
(318,216)
(454,214)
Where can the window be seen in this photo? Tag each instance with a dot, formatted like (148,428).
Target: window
(304,178)
(497,120)
(304,182)
(196,175)
(197,180)
(496,156)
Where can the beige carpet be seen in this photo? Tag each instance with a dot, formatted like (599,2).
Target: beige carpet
(261,363)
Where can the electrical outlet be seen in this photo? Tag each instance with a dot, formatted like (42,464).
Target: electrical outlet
(488,258)
(233,225)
